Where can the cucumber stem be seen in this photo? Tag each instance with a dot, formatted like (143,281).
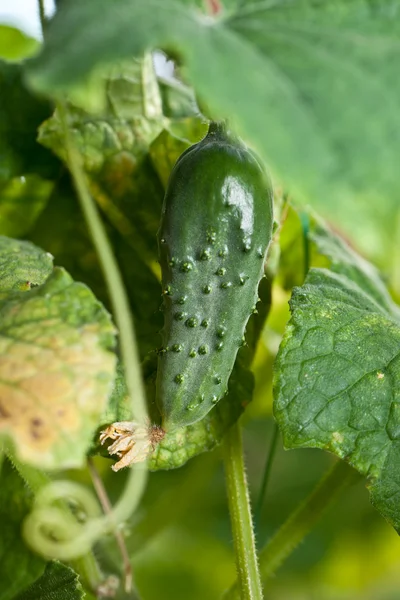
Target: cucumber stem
(249,582)
(217,129)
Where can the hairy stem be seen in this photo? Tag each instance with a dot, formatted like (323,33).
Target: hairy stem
(249,582)
(107,509)
(301,521)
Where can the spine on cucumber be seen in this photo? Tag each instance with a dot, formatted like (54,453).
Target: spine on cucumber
(215,230)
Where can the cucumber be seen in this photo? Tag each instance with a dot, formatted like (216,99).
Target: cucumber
(215,230)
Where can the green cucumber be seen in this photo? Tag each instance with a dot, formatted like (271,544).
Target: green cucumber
(215,230)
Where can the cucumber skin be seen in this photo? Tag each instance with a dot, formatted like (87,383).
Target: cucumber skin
(215,230)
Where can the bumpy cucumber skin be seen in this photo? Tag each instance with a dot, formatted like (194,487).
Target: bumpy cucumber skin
(215,230)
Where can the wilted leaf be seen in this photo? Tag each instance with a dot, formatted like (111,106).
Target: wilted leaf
(56,370)
(19,566)
(22,265)
(57,582)
(337,380)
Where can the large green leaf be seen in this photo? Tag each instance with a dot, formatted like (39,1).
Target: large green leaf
(337,377)
(56,364)
(312,84)
(58,581)
(19,566)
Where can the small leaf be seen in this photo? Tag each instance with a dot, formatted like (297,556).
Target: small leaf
(303,231)
(19,566)
(22,265)
(345,261)
(178,100)
(15,45)
(22,200)
(58,581)
(132,90)
(165,151)
(56,370)
(337,375)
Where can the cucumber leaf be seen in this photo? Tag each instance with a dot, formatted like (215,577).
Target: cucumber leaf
(22,264)
(58,581)
(15,45)
(311,84)
(22,199)
(19,566)
(56,365)
(337,373)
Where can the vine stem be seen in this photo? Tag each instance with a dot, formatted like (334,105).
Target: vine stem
(97,526)
(107,509)
(112,276)
(301,521)
(267,473)
(249,582)
(42,15)
(136,482)
(36,480)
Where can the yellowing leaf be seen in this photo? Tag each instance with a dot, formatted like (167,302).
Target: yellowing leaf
(56,370)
